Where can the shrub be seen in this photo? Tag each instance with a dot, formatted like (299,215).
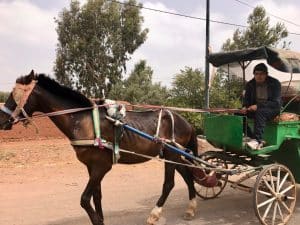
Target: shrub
(3,96)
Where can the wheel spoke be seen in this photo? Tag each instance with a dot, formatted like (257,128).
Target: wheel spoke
(290,198)
(283,180)
(285,206)
(271,179)
(264,193)
(266,202)
(268,186)
(267,210)
(280,212)
(287,189)
(213,190)
(274,213)
(278,179)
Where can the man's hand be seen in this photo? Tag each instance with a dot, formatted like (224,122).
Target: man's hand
(243,110)
(252,108)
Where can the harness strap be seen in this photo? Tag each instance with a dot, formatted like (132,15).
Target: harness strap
(29,121)
(172,141)
(118,130)
(20,94)
(6,110)
(97,129)
(172,122)
(158,123)
(82,142)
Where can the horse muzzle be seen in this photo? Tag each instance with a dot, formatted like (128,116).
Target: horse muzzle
(7,125)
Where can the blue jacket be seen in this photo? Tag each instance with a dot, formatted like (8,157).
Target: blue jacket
(274,94)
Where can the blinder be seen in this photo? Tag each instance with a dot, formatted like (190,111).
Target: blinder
(20,95)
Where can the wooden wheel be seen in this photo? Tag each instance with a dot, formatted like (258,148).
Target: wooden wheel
(274,195)
(212,192)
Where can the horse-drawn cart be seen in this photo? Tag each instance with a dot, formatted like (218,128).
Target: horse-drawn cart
(275,168)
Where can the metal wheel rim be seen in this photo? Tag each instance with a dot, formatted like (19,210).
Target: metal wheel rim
(212,192)
(274,195)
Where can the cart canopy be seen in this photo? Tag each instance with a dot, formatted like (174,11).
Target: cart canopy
(283,60)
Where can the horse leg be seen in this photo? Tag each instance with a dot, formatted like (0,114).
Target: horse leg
(188,178)
(97,197)
(85,201)
(167,187)
(93,188)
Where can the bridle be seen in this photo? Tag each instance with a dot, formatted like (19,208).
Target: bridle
(20,94)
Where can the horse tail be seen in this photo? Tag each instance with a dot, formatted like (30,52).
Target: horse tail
(193,143)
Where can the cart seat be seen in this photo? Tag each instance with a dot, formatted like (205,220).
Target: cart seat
(286,116)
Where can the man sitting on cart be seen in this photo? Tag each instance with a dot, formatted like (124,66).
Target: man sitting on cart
(262,102)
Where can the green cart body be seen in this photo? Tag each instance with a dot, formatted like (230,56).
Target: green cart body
(282,138)
(275,167)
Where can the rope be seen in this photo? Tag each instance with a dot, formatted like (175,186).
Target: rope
(63,112)
(226,171)
(215,110)
(289,102)
(74,110)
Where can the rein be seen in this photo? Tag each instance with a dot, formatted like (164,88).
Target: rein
(22,92)
(63,112)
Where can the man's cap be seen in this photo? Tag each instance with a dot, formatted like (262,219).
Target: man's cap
(260,67)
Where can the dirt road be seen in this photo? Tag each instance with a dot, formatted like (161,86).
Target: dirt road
(41,182)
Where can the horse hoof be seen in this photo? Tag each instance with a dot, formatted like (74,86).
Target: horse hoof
(188,216)
(152,220)
(154,215)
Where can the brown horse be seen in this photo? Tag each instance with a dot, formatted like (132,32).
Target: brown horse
(34,93)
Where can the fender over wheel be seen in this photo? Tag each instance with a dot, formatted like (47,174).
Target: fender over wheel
(206,192)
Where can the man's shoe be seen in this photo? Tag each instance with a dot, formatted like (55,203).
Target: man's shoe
(254,144)
(247,139)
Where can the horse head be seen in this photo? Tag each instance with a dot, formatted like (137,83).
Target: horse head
(16,106)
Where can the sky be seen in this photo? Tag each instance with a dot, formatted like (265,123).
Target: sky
(28,37)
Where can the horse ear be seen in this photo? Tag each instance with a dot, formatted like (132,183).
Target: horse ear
(100,101)
(31,75)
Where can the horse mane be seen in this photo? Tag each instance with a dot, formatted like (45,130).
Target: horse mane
(25,79)
(54,87)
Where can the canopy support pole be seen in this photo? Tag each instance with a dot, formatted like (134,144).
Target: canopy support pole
(206,105)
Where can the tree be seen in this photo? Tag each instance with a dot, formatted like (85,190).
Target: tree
(138,87)
(3,96)
(225,91)
(188,88)
(95,41)
(188,91)
(258,33)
